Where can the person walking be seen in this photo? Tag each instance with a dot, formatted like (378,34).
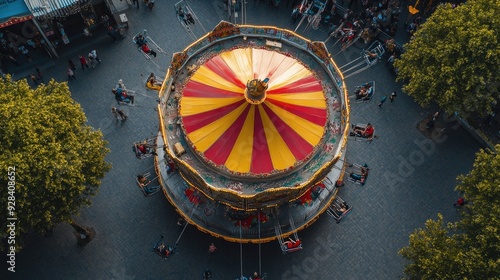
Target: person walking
(71,74)
(120,85)
(382,100)
(34,79)
(72,66)
(212,249)
(136,2)
(39,74)
(95,54)
(119,114)
(93,58)
(83,62)
(393,96)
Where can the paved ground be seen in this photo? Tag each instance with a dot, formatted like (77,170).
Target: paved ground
(412,179)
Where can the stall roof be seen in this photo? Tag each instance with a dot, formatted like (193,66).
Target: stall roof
(12,12)
(53,8)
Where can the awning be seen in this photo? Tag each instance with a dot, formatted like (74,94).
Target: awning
(14,20)
(54,8)
(12,12)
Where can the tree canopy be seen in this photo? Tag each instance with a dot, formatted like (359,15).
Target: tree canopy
(453,59)
(469,248)
(58,160)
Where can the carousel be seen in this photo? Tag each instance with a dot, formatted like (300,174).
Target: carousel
(253,132)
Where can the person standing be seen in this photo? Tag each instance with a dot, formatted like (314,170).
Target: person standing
(212,249)
(83,62)
(136,2)
(393,96)
(71,74)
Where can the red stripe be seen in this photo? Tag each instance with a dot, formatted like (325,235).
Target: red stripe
(220,150)
(196,89)
(219,66)
(314,115)
(307,84)
(197,121)
(261,159)
(299,147)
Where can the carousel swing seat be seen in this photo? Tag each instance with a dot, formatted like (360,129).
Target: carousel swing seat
(144,149)
(291,245)
(338,209)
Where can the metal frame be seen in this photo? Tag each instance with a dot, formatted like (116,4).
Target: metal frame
(184,5)
(334,209)
(364,61)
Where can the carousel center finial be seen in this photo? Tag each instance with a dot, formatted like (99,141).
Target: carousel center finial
(255,93)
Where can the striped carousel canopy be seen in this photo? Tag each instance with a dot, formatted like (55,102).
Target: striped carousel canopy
(230,130)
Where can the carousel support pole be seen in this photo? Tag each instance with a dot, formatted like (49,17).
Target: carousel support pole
(185,226)
(260,256)
(241,254)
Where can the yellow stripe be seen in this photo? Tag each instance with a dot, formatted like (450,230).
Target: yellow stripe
(292,74)
(197,105)
(281,156)
(311,132)
(240,62)
(240,158)
(204,137)
(314,99)
(208,77)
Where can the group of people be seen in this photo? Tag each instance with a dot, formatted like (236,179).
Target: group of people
(118,114)
(359,176)
(364,92)
(393,51)
(187,18)
(144,148)
(121,95)
(143,44)
(164,250)
(144,182)
(86,62)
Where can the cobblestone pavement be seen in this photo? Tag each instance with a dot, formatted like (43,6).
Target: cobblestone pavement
(411,180)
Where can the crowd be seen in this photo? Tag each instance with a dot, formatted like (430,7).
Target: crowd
(88,62)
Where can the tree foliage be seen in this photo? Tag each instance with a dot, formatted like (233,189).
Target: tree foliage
(454,58)
(58,159)
(469,248)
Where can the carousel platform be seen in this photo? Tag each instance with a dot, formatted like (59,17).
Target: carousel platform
(254,121)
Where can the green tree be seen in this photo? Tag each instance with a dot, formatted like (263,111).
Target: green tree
(58,159)
(454,58)
(469,248)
